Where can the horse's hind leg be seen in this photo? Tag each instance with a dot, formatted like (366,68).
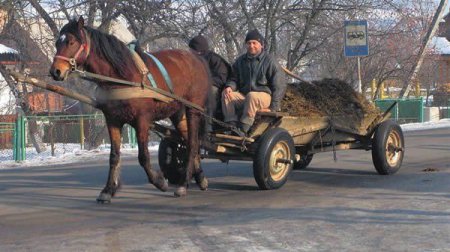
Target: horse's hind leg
(154,177)
(193,122)
(113,183)
(180,122)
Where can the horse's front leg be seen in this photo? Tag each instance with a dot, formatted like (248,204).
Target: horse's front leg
(113,183)
(154,177)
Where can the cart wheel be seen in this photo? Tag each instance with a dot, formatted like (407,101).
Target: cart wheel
(172,156)
(273,159)
(304,161)
(388,148)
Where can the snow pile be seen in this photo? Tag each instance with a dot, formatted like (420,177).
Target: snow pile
(443,123)
(69,153)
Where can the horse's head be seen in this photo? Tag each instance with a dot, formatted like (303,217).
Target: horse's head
(72,49)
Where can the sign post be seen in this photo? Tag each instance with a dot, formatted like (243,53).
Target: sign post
(356,43)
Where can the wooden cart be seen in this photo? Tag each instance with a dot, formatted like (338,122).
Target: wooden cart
(278,143)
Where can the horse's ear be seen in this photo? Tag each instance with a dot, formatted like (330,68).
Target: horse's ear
(81,23)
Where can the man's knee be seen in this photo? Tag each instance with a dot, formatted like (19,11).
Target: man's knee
(252,96)
(260,99)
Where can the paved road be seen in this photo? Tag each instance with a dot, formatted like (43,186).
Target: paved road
(343,206)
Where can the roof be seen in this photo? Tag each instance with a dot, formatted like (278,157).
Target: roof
(440,46)
(6,50)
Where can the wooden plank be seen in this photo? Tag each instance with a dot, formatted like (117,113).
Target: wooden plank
(236,138)
(301,126)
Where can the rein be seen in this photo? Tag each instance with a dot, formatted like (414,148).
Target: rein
(93,76)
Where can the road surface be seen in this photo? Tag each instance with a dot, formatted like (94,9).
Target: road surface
(342,206)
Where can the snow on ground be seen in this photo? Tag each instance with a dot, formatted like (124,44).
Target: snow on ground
(71,153)
(66,154)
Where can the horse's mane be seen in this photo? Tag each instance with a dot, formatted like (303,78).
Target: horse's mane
(108,46)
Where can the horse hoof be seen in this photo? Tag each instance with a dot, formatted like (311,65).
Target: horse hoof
(104,198)
(203,184)
(162,184)
(180,192)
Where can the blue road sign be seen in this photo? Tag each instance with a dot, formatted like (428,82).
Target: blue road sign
(355,36)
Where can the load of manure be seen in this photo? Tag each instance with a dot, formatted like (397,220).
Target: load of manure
(327,97)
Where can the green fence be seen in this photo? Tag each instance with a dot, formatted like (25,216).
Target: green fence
(405,111)
(445,111)
(7,133)
(57,134)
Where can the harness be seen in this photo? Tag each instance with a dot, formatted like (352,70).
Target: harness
(144,70)
(86,46)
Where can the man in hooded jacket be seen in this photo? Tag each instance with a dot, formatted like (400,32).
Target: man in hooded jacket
(220,70)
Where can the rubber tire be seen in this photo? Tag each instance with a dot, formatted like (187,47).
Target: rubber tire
(304,161)
(266,144)
(379,142)
(172,157)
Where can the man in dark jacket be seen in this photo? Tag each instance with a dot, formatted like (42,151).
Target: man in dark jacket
(257,84)
(220,70)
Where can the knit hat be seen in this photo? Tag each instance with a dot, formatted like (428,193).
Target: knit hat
(199,44)
(254,35)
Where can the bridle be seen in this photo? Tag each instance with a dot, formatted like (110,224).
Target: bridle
(86,46)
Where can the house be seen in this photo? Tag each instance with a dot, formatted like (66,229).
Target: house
(440,47)
(8,57)
(39,55)
(24,54)
(40,101)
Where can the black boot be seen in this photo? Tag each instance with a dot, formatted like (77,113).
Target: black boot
(245,127)
(234,123)
(236,129)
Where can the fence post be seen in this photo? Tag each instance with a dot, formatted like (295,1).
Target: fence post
(421,109)
(19,139)
(397,111)
(132,137)
(448,108)
(81,133)
(15,134)
(23,138)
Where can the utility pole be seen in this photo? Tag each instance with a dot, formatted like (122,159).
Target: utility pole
(430,33)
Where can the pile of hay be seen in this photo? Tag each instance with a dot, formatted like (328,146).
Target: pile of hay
(327,97)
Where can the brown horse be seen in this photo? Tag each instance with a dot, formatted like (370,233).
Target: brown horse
(83,47)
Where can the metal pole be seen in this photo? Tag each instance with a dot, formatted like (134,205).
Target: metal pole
(16,135)
(421,110)
(132,138)
(19,139)
(359,76)
(81,133)
(23,138)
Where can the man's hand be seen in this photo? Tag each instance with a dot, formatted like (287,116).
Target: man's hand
(227,92)
(265,110)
